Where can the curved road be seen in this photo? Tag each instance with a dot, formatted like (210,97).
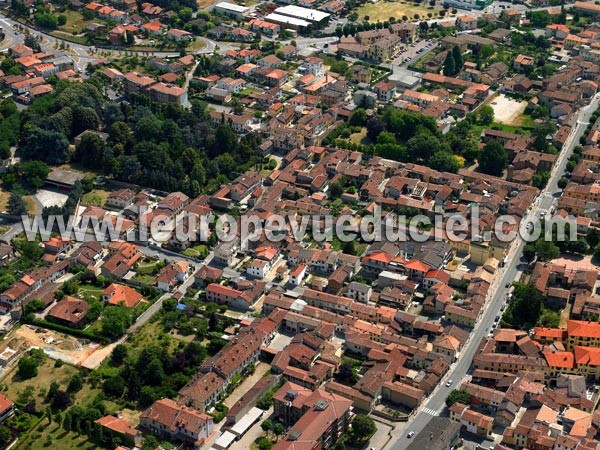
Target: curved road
(510,273)
(82,54)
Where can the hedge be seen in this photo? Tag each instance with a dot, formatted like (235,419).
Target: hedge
(70,331)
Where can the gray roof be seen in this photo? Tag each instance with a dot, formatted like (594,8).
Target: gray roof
(439,434)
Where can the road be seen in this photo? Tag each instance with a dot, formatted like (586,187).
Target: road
(510,273)
(82,55)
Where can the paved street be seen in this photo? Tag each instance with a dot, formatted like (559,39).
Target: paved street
(511,272)
(82,55)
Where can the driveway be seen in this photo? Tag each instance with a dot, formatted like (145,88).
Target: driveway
(252,434)
(245,386)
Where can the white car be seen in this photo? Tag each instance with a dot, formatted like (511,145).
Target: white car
(410,434)
(449,383)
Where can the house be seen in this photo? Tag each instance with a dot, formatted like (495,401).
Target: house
(326,416)
(360,291)
(524,62)
(113,75)
(166,418)
(118,294)
(206,275)
(7,408)
(385,90)
(174,202)
(154,28)
(297,275)
(472,421)
(168,93)
(118,427)
(466,22)
(20,50)
(56,245)
(258,268)
(179,35)
(170,275)
(69,311)
(220,294)
(135,83)
(272,29)
(120,198)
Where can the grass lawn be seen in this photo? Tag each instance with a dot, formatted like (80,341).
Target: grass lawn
(96,197)
(144,279)
(204,3)
(383,10)
(47,373)
(147,267)
(198,251)
(68,37)
(75,22)
(197,44)
(46,436)
(359,138)
(4,196)
(150,334)
(31,204)
(89,292)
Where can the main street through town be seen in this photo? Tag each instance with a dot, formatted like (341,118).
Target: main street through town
(511,272)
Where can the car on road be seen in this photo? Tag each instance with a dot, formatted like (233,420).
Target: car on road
(497,319)
(410,434)
(507,285)
(449,383)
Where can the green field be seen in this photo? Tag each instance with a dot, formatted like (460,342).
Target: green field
(96,197)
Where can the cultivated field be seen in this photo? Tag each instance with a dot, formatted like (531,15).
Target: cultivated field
(383,10)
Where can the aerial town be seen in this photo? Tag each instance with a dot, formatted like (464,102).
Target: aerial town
(434,118)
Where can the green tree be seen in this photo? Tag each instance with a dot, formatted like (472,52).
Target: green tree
(5,435)
(265,444)
(267,426)
(28,368)
(486,115)
(336,190)
(562,183)
(525,306)
(493,159)
(51,147)
(457,396)
(358,117)
(115,321)
(278,429)
(458,60)
(75,384)
(546,250)
(114,386)
(444,161)
(118,355)
(597,252)
(363,428)
(34,172)
(449,65)
(16,205)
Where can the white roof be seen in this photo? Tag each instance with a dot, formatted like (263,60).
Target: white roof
(232,7)
(247,421)
(302,13)
(278,18)
(225,440)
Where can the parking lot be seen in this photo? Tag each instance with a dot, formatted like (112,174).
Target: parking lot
(414,51)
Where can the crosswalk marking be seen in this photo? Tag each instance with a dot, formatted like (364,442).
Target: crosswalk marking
(430,411)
